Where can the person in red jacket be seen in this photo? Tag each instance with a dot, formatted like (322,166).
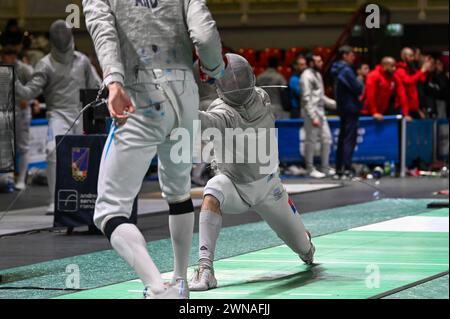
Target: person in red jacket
(381,84)
(410,77)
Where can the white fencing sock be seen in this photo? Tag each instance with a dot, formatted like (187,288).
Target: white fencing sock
(129,243)
(181,231)
(210,225)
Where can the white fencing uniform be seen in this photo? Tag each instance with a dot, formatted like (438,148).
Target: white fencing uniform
(141,47)
(60,76)
(242,186)
(147,47)
(130,148)
(313,103)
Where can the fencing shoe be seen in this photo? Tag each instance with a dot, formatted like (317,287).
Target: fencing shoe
(176,290)
(308,258)
(203,279)
(316,174)
(20,186)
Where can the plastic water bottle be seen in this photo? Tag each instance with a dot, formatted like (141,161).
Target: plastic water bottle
(392,169)
(387,168)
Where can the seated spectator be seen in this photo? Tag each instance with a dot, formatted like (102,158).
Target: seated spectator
(271,77)
(381,86)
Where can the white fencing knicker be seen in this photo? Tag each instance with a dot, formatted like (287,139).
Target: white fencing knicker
(165,100)
(268,198)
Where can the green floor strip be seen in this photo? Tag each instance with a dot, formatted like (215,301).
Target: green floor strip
(350,265)
(435,289)
(105,268)
(443,212)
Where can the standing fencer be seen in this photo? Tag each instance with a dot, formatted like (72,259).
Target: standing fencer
(248,183)
(314,101)
(145,50)
(207,95)
(60,76)
(24,73)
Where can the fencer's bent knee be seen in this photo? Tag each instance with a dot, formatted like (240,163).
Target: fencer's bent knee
(211,203)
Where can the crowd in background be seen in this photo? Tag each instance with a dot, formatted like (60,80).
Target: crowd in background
(413,84)
(422,78)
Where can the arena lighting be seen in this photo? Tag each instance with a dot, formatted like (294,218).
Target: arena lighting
(395,30)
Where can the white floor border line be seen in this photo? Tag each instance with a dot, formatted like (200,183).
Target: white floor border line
(410,224)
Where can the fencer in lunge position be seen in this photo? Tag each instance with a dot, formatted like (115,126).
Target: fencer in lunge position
(244,185)
(145,50)
(60,76)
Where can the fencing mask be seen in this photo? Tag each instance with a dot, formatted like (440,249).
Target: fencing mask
(237,86)
(61,39)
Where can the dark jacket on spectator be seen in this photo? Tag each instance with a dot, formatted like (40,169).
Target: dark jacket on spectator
(435,88)
(347,88)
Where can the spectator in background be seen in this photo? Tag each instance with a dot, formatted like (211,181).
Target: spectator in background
(362,71)
(12,35)
(435,89)
(419,58)
(410,78)
(271,77)
(381,86)
(298,66)
(348,91)
(9,55)
(37,49)
(442,99)
(313,103)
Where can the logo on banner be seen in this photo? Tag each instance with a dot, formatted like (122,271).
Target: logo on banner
(67,200)
(80,163)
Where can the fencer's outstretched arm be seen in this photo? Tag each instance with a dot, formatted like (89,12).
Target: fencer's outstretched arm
(205,37)
(101,24)
(35,86)
(220,118)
